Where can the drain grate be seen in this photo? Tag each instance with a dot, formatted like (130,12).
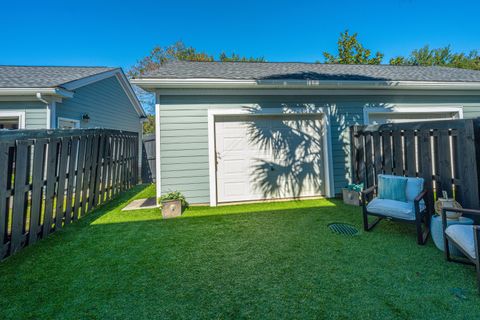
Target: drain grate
(343,228)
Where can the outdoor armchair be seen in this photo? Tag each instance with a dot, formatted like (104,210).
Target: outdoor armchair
(401,199)
(464,237)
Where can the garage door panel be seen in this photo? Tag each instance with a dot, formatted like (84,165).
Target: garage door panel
(269,157)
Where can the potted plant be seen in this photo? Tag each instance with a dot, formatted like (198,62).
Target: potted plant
(173,204)
(351,194)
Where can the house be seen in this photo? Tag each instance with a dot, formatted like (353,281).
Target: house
(231,132)
(38,97)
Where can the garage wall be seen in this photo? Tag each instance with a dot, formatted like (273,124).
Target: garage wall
(106,103)
(35,112)
(184,130)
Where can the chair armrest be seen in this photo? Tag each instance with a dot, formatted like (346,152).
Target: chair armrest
(462,210)
(420,196)
(367,193)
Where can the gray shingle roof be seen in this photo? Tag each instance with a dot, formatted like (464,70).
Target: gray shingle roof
(44,77)
(308,71)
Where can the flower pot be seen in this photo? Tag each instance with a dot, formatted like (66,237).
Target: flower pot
(171,209)
(351,197)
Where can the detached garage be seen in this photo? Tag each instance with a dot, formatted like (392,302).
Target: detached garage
(238,131)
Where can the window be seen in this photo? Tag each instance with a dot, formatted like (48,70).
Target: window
(12,120)
(65,123)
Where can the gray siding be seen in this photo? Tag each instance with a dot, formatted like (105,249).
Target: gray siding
(184,131)
(35,112)
(105,102)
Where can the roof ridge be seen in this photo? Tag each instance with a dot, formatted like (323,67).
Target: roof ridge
(54,66)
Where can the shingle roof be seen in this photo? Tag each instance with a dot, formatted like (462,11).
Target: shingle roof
(44,77)
(308,71)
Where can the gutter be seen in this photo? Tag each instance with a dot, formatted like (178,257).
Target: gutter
(57,92)
(151,83)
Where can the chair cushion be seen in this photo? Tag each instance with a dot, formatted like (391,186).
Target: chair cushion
(393,208)
(413,188)
(392,188)
(463,235)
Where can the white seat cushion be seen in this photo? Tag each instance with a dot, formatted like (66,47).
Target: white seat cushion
(394,209)
(463,236)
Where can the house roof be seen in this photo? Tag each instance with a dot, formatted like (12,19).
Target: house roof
(308,71)
(45,76)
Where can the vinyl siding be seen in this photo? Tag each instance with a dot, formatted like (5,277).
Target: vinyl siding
(184,130)
(35,112)
(105,102)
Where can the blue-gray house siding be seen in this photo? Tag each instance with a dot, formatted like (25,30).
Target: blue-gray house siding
(184,130)
(35,112)
(106,104)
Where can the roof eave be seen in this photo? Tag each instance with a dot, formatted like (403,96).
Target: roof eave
(155,83)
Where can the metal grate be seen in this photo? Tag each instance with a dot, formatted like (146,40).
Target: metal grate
(343,228)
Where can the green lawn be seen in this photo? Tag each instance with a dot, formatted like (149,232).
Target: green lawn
(273,260)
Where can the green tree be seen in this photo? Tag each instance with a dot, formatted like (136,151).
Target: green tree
(237,58)
(160,55)
(149,124)
(439,57)
(350,51)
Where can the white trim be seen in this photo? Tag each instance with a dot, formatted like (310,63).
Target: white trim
(77,122)
(59,92)
(152,83)
(158,173)
(18,114)
(328,166)
(289,91)
(404,109)
(51,113)
(75,84)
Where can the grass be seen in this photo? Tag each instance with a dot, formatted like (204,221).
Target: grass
(272,260)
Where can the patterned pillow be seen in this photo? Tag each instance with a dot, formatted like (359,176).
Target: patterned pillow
(392,188)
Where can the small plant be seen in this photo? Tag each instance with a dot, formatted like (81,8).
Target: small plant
(175,195)
(355,187)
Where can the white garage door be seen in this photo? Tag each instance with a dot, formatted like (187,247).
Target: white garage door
(269,157)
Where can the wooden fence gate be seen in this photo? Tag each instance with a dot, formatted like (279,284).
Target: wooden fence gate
(148,158)
(441,152)
(49,178)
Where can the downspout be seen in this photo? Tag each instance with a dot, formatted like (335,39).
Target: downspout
(49,109)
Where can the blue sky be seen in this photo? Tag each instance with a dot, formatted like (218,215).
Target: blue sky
(117,33)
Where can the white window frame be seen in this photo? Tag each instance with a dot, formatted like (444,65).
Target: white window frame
(19,114)
(212,113)
(410,110)
(77,122)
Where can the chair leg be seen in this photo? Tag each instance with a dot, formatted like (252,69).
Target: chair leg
(369,226)
(422,233)
(446,248)
(477,266)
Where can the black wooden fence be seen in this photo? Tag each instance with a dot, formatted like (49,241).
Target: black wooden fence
(148,158)
(49,178)
(441,152)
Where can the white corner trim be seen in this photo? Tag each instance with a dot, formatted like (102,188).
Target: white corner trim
(158,173)
(327,143)
(412,109)
(51,115)
(15,114)
(77,122)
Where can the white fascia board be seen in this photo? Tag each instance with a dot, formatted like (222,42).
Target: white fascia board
(57,92)
(150,84)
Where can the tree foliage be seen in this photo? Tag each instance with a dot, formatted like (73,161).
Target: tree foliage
(149,124)
(439,57)
(351,51)
(180,52)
